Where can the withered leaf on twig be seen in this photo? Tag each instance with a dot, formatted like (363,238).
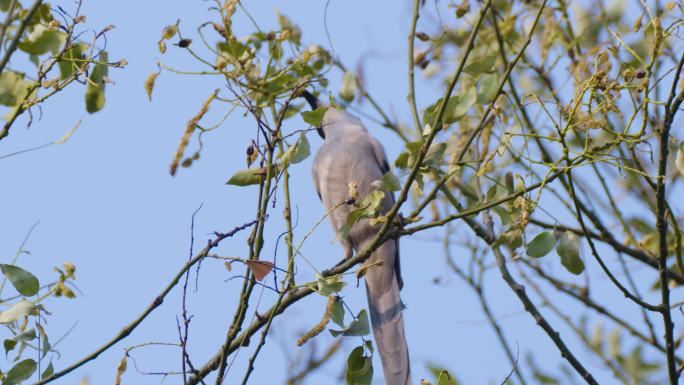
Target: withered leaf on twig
(260,269)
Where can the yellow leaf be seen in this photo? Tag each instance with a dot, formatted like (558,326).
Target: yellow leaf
(149,84)
(260,269)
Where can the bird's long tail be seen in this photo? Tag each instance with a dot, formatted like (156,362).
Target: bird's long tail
(384,302)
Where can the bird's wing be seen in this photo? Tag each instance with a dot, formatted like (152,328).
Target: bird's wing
(381,158)
(380,155)
(315,173)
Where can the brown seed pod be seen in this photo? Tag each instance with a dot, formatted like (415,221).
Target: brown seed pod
(422,36)
(218,28)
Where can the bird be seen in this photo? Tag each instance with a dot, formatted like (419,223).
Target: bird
(351,156)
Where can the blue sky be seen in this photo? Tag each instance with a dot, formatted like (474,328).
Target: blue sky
(106,202)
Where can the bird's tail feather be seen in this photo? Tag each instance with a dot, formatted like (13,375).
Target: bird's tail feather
(384,303)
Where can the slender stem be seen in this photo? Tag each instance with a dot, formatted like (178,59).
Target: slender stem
(590,241)
(411,68)
(479,291)
(661,223)
(17,36)
(637,254)
(519,290)
(610,363)
(8,20)
(158,300)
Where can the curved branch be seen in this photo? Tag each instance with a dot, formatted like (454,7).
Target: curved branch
(158,300)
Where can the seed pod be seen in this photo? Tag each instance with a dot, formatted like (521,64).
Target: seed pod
(637,24)
(169,31)
(149,84)
(422,36)
(419,58)
(184,43)
(218,28)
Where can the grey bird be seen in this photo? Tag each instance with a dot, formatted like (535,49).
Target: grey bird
(351,155)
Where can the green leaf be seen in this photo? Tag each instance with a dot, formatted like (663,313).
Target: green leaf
(22,280)
(402,160)
(315,117)
(234,51)
(389,182)
(326,286)
(249,176)
(491,193)
(34,60)
(442,376)
(358,327)
(568,250)
(348,88)
(337,315)
(21,309)
(295,33)
(435,154)
(679,161)
(49,371)
(541,245)
(457,106)
(368,207)
(11,343)
(44,341)
(13,88)
(504,214)
(20,372)
(298,151)
(42,41)
(359,368)
(95,90)
(480,65)
(489,84)
(70,60)
(467,101)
